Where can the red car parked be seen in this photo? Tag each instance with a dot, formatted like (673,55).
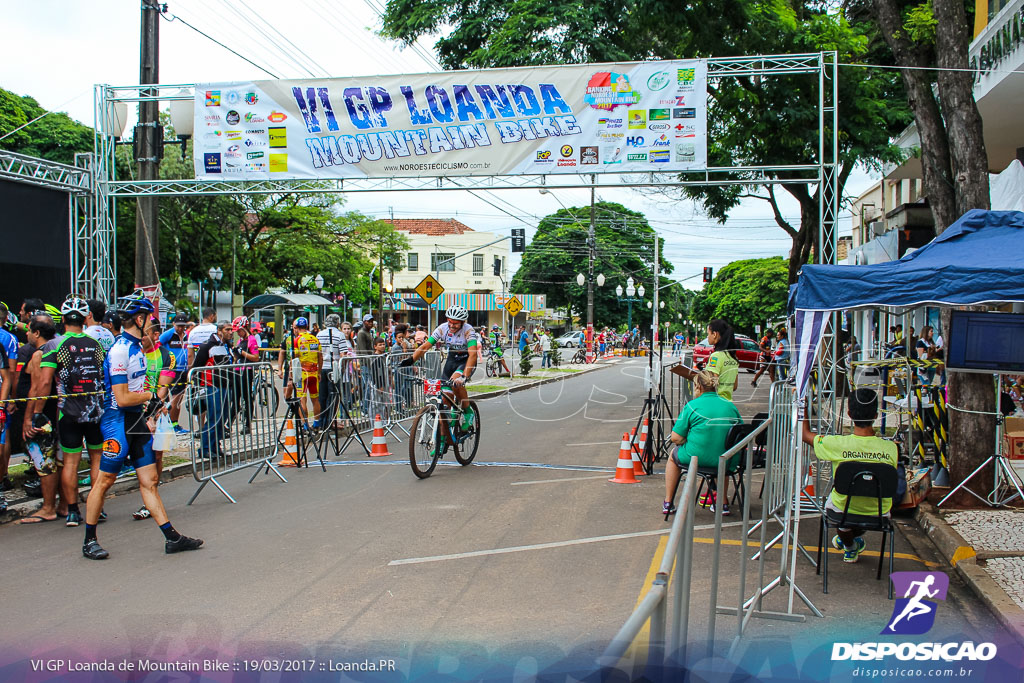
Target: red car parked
(747,354)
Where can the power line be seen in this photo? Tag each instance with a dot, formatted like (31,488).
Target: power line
(211,38)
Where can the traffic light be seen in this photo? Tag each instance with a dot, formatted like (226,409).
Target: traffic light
(497,266)
(518,240)
(707,275)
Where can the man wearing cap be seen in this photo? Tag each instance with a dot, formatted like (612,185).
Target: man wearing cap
(306,349)
(364,339)
(175,339)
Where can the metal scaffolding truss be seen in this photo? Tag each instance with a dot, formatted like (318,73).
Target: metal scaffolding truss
(21,168)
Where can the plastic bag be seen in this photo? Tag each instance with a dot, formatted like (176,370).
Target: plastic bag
(164,438)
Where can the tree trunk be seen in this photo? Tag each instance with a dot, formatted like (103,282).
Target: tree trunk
(807,236)
(936,167)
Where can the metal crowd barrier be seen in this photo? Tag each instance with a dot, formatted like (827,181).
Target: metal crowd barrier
(232,412)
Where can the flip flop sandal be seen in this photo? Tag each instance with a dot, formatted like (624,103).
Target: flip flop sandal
(39,520)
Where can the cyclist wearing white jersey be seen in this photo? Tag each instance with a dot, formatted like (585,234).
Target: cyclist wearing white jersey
(462,342)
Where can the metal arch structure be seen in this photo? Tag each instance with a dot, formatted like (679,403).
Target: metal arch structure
(92,271)
(824,173)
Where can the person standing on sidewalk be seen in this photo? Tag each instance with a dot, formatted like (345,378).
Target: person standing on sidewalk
(544,345)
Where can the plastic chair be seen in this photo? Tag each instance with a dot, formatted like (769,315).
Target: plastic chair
(870,480)
(709,475)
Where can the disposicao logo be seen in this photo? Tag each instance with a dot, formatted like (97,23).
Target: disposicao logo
(914,614)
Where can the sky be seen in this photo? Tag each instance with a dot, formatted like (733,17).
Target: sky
(69,46)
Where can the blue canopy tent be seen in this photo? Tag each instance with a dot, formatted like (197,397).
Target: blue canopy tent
(977,260)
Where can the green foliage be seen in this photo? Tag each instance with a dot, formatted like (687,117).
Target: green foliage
(558,252)
(746,293)
(55,137)
(921,23)
(556,355)
(526,361)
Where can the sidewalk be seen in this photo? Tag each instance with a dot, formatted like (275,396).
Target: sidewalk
(483,386)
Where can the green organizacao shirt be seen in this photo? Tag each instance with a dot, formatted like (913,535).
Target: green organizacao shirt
(851,448)
(705,423)
(727,368)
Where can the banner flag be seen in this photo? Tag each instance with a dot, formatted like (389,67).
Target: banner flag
(590,118)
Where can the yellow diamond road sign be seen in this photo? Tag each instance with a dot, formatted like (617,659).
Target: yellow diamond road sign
(429,289)
(513,306)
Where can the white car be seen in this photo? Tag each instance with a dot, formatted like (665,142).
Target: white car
(569,340)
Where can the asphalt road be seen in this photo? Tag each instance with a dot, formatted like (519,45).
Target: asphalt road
(442,573)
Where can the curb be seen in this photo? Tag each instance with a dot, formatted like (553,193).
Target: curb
(963,557)
(18,510)
(523,387)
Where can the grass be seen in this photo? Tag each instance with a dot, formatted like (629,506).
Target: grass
(560,370)
(485,387)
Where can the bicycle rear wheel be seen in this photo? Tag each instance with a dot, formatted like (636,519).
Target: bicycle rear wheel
(425,440)
(490,367)
(465,450)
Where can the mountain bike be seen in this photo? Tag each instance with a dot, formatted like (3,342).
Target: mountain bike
(437,427)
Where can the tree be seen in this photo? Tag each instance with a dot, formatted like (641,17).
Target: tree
(754,121)
(746,293)
(55,136)
(954,167)
(558,253)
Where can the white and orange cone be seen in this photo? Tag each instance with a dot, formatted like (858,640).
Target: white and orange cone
(624,466)
(635,451)
(379,445)
(290,455)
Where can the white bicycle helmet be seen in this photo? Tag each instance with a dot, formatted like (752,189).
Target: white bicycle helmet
(456,312)
(74,307)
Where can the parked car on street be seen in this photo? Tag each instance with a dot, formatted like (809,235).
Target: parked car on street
(747,354)
(569,340)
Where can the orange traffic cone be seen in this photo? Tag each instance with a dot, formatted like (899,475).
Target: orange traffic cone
(638,466)
(379,445)
(809,479)
(624,466)
(290,455)
(643,437)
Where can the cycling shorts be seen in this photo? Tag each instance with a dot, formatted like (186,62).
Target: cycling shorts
(125,435)
(309,386)
(497,352)
(456,363)
(73,433)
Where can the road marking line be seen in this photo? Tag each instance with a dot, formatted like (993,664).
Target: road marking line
(638,648)
(554,481)
(543,546)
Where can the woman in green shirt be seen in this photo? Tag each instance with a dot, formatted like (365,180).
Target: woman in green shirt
(723,359)
(701,430)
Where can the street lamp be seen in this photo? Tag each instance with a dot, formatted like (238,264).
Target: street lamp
(216,274)
(629,298)
(582,280)
(319,282)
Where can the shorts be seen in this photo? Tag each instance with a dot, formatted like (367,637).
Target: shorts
(125,435)
(497,352)
(179,384)
(73,433)
(309,386)
(44,459)
(455,363)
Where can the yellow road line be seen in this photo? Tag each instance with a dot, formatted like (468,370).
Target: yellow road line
(869,553)
(638,648)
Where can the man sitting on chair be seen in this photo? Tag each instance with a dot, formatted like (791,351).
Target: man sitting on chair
(861,446)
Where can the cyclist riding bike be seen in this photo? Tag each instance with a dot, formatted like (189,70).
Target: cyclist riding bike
(462,342)
(494,339)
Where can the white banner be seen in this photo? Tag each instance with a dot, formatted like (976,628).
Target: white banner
(608,118)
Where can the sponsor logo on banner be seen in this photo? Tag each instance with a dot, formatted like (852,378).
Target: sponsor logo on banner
(566,162)
(670,103)
(638,118)
(543,155)
(686,151)
(276,117)
(233,135)
(605,136)
(255,131)
(612,155)
(278,136)
(658,114)
(680,101)
(642,156)
(684,113)
(211,162)
(256,166)
(213,98)
(685,128)
(613,123)
(254,155)
(232,97)
(658,156)
(249,142)
(233,151)
(635,141)
(662,141)
(232,117)
(658,126)
(914,614)
(251,98)
(251,117)
(608,89)
(588,155)
(658,81)
(566,151)
(278,163)
(685,76)
(213,136)
(212,119)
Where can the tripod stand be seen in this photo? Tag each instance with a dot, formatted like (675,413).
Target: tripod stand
(294,413)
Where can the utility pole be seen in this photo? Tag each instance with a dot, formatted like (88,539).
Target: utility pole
(380,298)
(592,244)
(148,138)
(655,330)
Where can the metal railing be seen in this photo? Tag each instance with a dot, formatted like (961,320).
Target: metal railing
(233,415)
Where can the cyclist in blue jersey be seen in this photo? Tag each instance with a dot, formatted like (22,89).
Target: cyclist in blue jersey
(462,343)
(125,431)
(175,339)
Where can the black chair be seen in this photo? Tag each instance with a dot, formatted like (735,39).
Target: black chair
(869,480)
(708,475)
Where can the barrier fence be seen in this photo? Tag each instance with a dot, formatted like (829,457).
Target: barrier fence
(233,415)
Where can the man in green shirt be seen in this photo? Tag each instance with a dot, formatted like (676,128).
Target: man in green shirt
(701,430)
(861,446)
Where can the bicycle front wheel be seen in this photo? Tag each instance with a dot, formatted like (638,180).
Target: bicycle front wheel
(465,451)
(425,441)
(490,367)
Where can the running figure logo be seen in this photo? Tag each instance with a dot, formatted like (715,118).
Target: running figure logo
(914,613)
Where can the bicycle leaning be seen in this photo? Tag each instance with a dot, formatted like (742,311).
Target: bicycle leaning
(437,427)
